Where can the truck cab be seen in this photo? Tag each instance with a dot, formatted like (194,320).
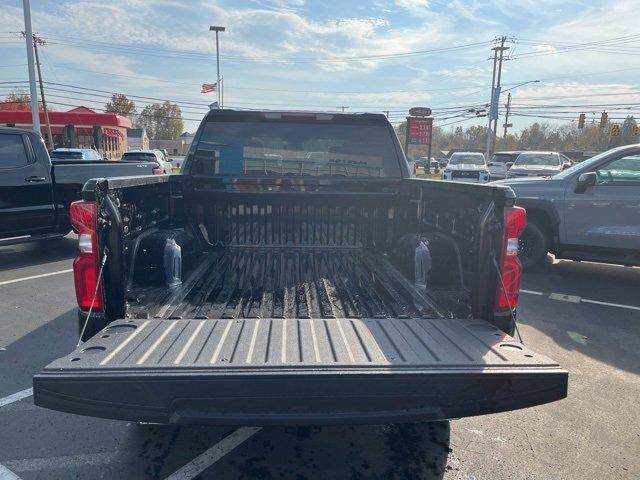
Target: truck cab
(36,190)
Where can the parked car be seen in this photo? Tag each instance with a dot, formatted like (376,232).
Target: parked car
(538,164)
(466,167)
(36,190)
(75,154)
(500,163)
(308,281)
(149,156)
(589,211)
(432,163)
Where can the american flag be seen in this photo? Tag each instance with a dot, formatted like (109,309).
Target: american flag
(209,87)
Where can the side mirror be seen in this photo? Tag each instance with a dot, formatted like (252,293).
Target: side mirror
(585,181)
(509,164)
(566,165)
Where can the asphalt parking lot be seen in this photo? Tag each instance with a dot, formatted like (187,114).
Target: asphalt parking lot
(586,316)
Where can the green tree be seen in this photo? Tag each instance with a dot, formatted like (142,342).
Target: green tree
(162,121)
(120,105)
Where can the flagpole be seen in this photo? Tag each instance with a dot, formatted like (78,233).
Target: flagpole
(217,30)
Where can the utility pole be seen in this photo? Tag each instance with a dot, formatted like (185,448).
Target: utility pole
(493,84)
(506,116)
(35,113)
(497,93)
(38,41)
(219,87)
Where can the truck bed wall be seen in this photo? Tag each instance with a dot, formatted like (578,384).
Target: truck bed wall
(235,215)
(463,222)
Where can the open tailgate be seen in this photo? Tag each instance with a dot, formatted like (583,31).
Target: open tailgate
(298,371)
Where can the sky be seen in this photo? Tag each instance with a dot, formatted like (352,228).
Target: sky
(377,55)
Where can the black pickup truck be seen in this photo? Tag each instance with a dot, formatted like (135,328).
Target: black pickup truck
(36,191)
(294,273)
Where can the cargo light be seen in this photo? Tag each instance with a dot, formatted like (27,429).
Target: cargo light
(515,221)
(86,266)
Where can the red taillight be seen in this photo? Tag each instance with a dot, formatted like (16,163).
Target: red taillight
(157,171)
(515,221)
(86,266)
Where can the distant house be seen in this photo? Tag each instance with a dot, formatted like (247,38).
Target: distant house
(138,139)
(177,148)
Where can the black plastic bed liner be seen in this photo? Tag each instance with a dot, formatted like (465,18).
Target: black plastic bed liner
(291,282)
(266,371)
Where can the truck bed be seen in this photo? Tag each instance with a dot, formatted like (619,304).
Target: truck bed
(300,282)
(266,335)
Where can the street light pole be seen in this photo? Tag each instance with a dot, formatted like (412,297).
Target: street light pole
(35,113)
(218,86)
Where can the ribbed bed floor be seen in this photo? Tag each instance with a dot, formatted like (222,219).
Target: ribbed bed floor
(260,282)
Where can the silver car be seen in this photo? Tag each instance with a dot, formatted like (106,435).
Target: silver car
(466,167)
(538,164)
(500,163)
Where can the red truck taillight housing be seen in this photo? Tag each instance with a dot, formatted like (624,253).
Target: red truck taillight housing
(515,221)
(86,266)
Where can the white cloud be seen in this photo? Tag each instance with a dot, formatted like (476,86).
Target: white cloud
(417,8)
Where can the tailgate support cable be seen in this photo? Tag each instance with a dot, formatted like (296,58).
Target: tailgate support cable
(504,290)
(95,294)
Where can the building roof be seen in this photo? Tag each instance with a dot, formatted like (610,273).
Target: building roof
(81,109)
(77,116)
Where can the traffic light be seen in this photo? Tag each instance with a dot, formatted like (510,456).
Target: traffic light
(581,120)
(636,130)
(615,130)
(604,118)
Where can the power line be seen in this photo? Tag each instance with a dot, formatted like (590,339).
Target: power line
(199,56)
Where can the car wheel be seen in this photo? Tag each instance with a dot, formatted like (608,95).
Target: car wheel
(533,245)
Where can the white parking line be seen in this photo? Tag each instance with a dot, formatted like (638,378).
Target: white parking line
(607,304)
(565,298)
(531,292)
(576,299)
(32,277)
(6,474)
(16,397)
(215,453)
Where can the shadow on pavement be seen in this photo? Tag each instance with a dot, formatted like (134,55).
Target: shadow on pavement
(607,334)
(38,253)
(407,451)
(29,353)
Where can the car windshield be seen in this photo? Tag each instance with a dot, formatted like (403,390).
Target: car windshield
(137,156)
(66,155)
(503,157)
(296,148)
(467,158)
(538,159)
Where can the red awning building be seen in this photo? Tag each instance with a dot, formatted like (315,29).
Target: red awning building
(79,127)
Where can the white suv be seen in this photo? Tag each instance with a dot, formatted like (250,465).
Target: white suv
(466,167)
